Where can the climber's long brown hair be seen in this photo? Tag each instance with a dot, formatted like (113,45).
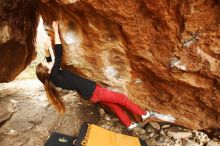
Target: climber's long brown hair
(51,92)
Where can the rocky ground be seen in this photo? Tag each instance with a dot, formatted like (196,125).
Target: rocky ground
(26,119)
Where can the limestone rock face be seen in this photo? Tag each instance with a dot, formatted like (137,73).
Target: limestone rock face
(163,55)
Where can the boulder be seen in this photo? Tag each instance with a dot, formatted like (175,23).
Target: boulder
(18,26)
(163,55)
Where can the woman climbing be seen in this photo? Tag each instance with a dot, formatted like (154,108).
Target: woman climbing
(51,75)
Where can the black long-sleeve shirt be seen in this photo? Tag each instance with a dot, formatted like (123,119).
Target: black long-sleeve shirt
(68,80)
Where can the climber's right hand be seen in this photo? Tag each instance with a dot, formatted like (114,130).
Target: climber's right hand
(55,25)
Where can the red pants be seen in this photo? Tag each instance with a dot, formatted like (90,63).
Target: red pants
(114,100)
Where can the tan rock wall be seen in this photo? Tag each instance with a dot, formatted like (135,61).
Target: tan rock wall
(18,23)
(163,55)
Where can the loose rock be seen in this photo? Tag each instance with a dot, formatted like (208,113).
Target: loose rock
(212,143)
(155,125)
(165,126)
(191,143)
(179,135)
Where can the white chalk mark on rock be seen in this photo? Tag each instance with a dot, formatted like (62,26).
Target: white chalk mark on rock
(138,81)
(110,72)
(176,63)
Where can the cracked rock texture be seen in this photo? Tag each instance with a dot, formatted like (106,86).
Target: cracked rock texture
(163,54)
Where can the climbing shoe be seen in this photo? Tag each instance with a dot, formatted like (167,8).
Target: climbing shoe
(146,115)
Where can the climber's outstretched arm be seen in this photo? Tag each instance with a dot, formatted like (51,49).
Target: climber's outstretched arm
(55,26)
